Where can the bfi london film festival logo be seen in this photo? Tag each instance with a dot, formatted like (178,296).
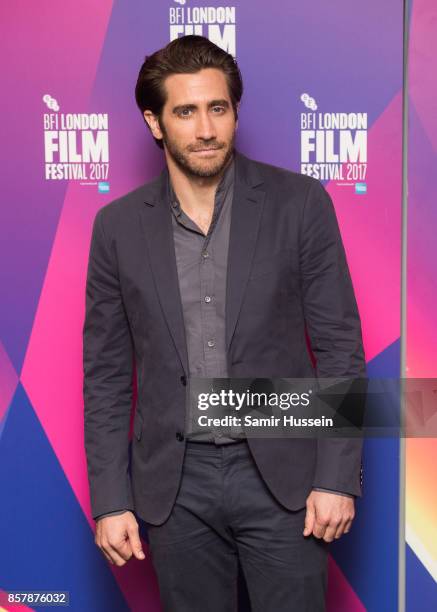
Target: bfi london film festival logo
(76,146)
(217,23)
(334,146)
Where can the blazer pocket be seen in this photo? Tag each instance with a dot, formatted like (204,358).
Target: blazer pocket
(270,264)
(138,424)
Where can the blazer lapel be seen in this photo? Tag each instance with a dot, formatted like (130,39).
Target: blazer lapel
(247,206)
(156,219)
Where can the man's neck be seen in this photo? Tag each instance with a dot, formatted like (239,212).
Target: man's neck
(195,193)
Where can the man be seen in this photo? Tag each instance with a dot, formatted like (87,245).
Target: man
(220,267)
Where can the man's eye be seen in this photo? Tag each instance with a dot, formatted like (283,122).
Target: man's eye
(185,112)
(218,109)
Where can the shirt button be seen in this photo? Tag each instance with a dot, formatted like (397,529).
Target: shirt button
(184,380)
(179,436)
(207,298)
(211,343)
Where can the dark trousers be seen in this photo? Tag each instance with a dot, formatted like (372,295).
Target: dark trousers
(224,516)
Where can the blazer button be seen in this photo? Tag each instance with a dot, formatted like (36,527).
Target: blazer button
(179,436)
(184,380)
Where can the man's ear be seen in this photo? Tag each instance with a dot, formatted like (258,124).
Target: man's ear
(153,123)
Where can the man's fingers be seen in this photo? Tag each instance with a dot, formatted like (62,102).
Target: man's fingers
(107,557)
(340,530)
(347,527)
(346,523)
(320,526)
(337,527)
(118,554)
(331,529)
(309,520)
(135,542)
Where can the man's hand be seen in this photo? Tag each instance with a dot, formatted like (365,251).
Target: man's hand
(118,538)
(328,515)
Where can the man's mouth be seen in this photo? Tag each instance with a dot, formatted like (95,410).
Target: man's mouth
(205,152)
(206,149)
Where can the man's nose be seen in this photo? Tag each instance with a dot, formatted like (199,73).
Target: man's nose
(205,128)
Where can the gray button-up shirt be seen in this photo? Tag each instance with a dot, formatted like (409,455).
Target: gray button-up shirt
(201,264)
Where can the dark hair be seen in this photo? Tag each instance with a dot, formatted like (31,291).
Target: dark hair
(185,55)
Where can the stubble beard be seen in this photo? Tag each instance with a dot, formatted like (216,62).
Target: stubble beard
(202,168)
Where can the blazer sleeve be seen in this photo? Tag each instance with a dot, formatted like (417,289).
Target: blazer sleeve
(107,382)
(334,329)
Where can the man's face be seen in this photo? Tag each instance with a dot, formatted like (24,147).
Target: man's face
(197,123)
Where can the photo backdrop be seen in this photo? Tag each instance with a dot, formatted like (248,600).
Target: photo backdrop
(323,94)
